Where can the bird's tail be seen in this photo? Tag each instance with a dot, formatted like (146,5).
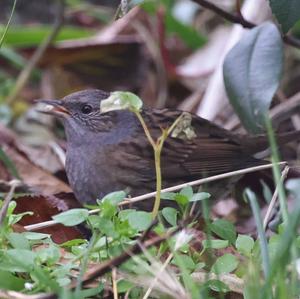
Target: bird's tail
(258,143)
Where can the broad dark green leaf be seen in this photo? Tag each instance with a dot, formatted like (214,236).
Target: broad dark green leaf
(287,12)
(224,229)
(170,214)
(225,264)
(252,72)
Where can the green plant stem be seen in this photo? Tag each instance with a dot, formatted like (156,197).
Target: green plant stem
(157,155)
(146,130)
(261,233)
(157,148)
(8,23)
(276,171)
(84,264)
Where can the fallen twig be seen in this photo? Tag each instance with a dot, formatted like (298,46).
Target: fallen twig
(274,198)
(49,223)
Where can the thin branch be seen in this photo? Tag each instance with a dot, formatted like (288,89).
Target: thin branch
(26,72)
(36,226)
(238,19)
(114,282)
(106,266)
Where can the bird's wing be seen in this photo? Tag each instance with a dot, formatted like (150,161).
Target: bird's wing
(213,150)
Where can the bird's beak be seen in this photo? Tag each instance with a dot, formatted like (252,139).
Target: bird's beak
(53,107)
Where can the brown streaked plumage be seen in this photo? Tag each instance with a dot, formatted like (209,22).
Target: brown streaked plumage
(109,152)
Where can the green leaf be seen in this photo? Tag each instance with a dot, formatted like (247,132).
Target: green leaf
(114,197)
(123,214)
(107,209)
(29,36)
(287,12)
(35,236)
(168,195)
(186,260)
(139,220)
(244,244)
(91,292)
(106,226)
(23,259)
(266,191)
(64,281)
(187,191)
(218,286)
(182,200)
(72,217)
(273,246)
(73,242)
(49,255)
(170,214)
(124,286)
(18,241)
(200,196)
(252,72)
(188,34)
(121,100)
(8,281)
(224,229)
(215,244)
(225,264)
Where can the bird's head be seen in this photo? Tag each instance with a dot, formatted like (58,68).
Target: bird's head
(81,115)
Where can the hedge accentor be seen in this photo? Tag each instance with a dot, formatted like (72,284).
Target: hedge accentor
(109,152)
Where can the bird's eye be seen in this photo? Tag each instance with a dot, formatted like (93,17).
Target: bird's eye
(86,109)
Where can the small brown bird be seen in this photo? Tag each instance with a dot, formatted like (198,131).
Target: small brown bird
(109,152)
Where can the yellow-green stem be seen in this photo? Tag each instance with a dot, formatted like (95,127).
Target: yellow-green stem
(157,153)
(157,148)
(147,133)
